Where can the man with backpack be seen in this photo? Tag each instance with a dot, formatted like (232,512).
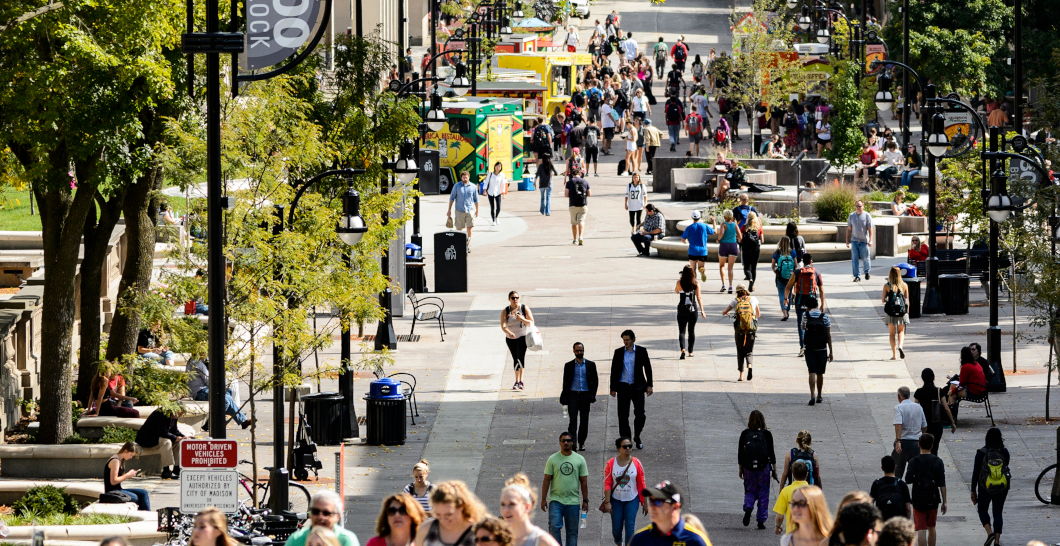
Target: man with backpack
(739,212)
(817,336)
(804,287)
(890,494)
(675,81)
(542,141)
(679,52)
(594,98)
(910,424)
(592,146)
(694,127)
(659,53)
(577,193)
(758,461)
(675,114)
(927,474)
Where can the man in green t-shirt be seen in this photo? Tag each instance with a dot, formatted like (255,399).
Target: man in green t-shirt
(325,510)
(565,490)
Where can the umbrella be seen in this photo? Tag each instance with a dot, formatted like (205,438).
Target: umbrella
(534,24)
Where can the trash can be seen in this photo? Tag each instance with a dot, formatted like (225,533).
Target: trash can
(914,296)
(953,289)
(386,413)
(323,415)
(908,270)
(450,261)
(527,183)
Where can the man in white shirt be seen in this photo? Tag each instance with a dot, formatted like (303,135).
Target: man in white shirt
(572,39)
(909,424)
(599,28)
(630,46)
(608,124)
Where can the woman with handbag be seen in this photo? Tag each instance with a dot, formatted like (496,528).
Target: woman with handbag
(623,482)
(114,473)
(935,409)
(516,322)
(495,188)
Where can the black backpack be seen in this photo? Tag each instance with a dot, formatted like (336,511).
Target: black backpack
(621,100)
(755,451)
(813,477)
(579,99)
(816,336)
(594,98)
(925,491)
(579,188)
(673,111)
(790,121)
(889,498)
(895,305)
(540,137)
(679,53)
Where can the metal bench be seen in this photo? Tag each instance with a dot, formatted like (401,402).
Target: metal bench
(427,310)
(408,390)
(982,399)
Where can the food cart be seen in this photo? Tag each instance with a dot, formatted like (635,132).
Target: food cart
(479,132)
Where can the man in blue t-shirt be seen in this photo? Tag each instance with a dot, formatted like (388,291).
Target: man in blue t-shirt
(695,236)
(739,214)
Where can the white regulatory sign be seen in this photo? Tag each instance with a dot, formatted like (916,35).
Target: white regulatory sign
(200,489)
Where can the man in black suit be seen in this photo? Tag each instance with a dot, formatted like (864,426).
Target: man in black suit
(630,379)
(580,384)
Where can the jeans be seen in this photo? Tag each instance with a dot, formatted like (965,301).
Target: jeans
(642,242)
(675,134)
(231,409)
(166,356)
(140,497)
(756,489)
(887,174)
(546,200)
(560,515)
(907,177)
(859,252)
(687,320)
(799,311)
(623,516)
(781,286)
(985,501)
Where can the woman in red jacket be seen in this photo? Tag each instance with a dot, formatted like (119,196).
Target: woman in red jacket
(623,482)
(918,252)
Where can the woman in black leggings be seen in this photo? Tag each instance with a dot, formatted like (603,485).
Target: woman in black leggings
(495,188)
(990,484)
(687,289)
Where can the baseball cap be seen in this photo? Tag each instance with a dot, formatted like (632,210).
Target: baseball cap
(696,215)
(664,491)
(647,121)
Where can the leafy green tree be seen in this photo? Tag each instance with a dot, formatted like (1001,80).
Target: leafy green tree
(848,116)
(764,56)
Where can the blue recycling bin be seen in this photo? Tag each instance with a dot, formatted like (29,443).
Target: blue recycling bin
(413,252)
(527,184)
(385,417)
(908,270)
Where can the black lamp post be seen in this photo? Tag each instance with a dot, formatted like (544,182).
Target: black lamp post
(405,169)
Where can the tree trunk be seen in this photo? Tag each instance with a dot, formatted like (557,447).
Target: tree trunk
(96,240)
(63,215)
(140,209)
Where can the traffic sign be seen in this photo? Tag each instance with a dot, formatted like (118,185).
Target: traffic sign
(208,454)
(201,489)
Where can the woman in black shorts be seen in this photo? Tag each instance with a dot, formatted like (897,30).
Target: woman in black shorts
(824,134)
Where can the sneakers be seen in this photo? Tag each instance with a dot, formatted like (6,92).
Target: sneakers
(703,275)
(857,279)
(802,351)
(867,276)
(730,290)
(596,174)
(761,525)
(518,386)
(574,242)
(580,242)
(747,516)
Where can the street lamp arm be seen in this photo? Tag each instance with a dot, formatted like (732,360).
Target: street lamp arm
(306,52)
(919,81)
(444,53)
(403,90)
(312,182)
(978,122)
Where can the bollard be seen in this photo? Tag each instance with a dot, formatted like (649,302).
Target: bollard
(1056,477)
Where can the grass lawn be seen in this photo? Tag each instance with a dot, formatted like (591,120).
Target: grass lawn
(14,212)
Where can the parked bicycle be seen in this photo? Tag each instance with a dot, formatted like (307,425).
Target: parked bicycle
(297,494)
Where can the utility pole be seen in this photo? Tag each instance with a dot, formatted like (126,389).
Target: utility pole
(905,78)
(1017,79)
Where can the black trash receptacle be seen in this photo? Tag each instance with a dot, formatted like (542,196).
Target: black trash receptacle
(386,413)
(953,289)
(914,296)
(450,261)
(323,414)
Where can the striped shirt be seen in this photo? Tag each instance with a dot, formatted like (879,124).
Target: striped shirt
(425,500)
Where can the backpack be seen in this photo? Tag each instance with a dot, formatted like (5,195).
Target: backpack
(895,305)
(579,99)
(808,293)
(115,497)
(785,266)
(994,476)
(719,135)
(816,337)
(679,53)
(807,458)
(925,490)
(746,323)
(594,98)
(889,498)
(579,188)
(751,236)
(660,53)
(673,78)
(755,451)
(673,111)
(540,137)
(694,124)
(791,121)
(608,49)
(591,139)
(621,99)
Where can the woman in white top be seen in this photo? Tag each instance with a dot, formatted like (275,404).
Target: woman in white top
(623,483)
(495,188)
(636,198)
(631,149)
(824,134)
(898,208)
(745,341)
(518,499)
(810,518)
(421,488)
(641,105)
(516,320)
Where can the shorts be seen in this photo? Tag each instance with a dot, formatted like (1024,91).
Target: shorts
(817,361)
(631,146)
(463,219)
(592,155)
(728,249)
(680,65)
(638,115)
(824,141)
(609,133)
(571,49)
(922,521)
(577,215)
(697,258)
(696,137)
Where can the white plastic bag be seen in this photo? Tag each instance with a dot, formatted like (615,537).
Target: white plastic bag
(534,341)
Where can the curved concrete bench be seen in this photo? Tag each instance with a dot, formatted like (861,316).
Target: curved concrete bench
(92,427)
(142,531)
(195,413)
(12,490)
(672,248)
(65,461)
(811,233)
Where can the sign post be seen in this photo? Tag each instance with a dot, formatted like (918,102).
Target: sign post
(209,477)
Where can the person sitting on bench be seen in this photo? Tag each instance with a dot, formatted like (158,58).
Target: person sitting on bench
(971,381)
(149,347)
(199,387)
(160,430)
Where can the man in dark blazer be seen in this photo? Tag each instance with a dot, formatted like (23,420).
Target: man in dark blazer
(630,380)
(580,384)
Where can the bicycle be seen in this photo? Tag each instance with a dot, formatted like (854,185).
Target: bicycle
(1038,482)
(297,495)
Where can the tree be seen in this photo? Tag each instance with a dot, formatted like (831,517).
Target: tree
(762,71)
(848,117)
(77,79)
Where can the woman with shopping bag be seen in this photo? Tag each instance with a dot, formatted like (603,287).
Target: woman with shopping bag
(516,322)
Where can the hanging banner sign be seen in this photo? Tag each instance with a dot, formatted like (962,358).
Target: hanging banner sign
(1024,181)
(277,28)
(958,128)
(874,52)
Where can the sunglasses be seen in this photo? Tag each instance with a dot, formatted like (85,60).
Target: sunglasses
(626,446)
(566,441)
(394,510)
(799,504)
(658,503)
(319,512)
(514,298)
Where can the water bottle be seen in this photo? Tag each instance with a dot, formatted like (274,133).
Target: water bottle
(585,518)
(566,415)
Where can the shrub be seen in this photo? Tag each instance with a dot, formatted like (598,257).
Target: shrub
(76,438)
(880,195)
(117,435)
(155,386)
(835,203)
(45,500)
